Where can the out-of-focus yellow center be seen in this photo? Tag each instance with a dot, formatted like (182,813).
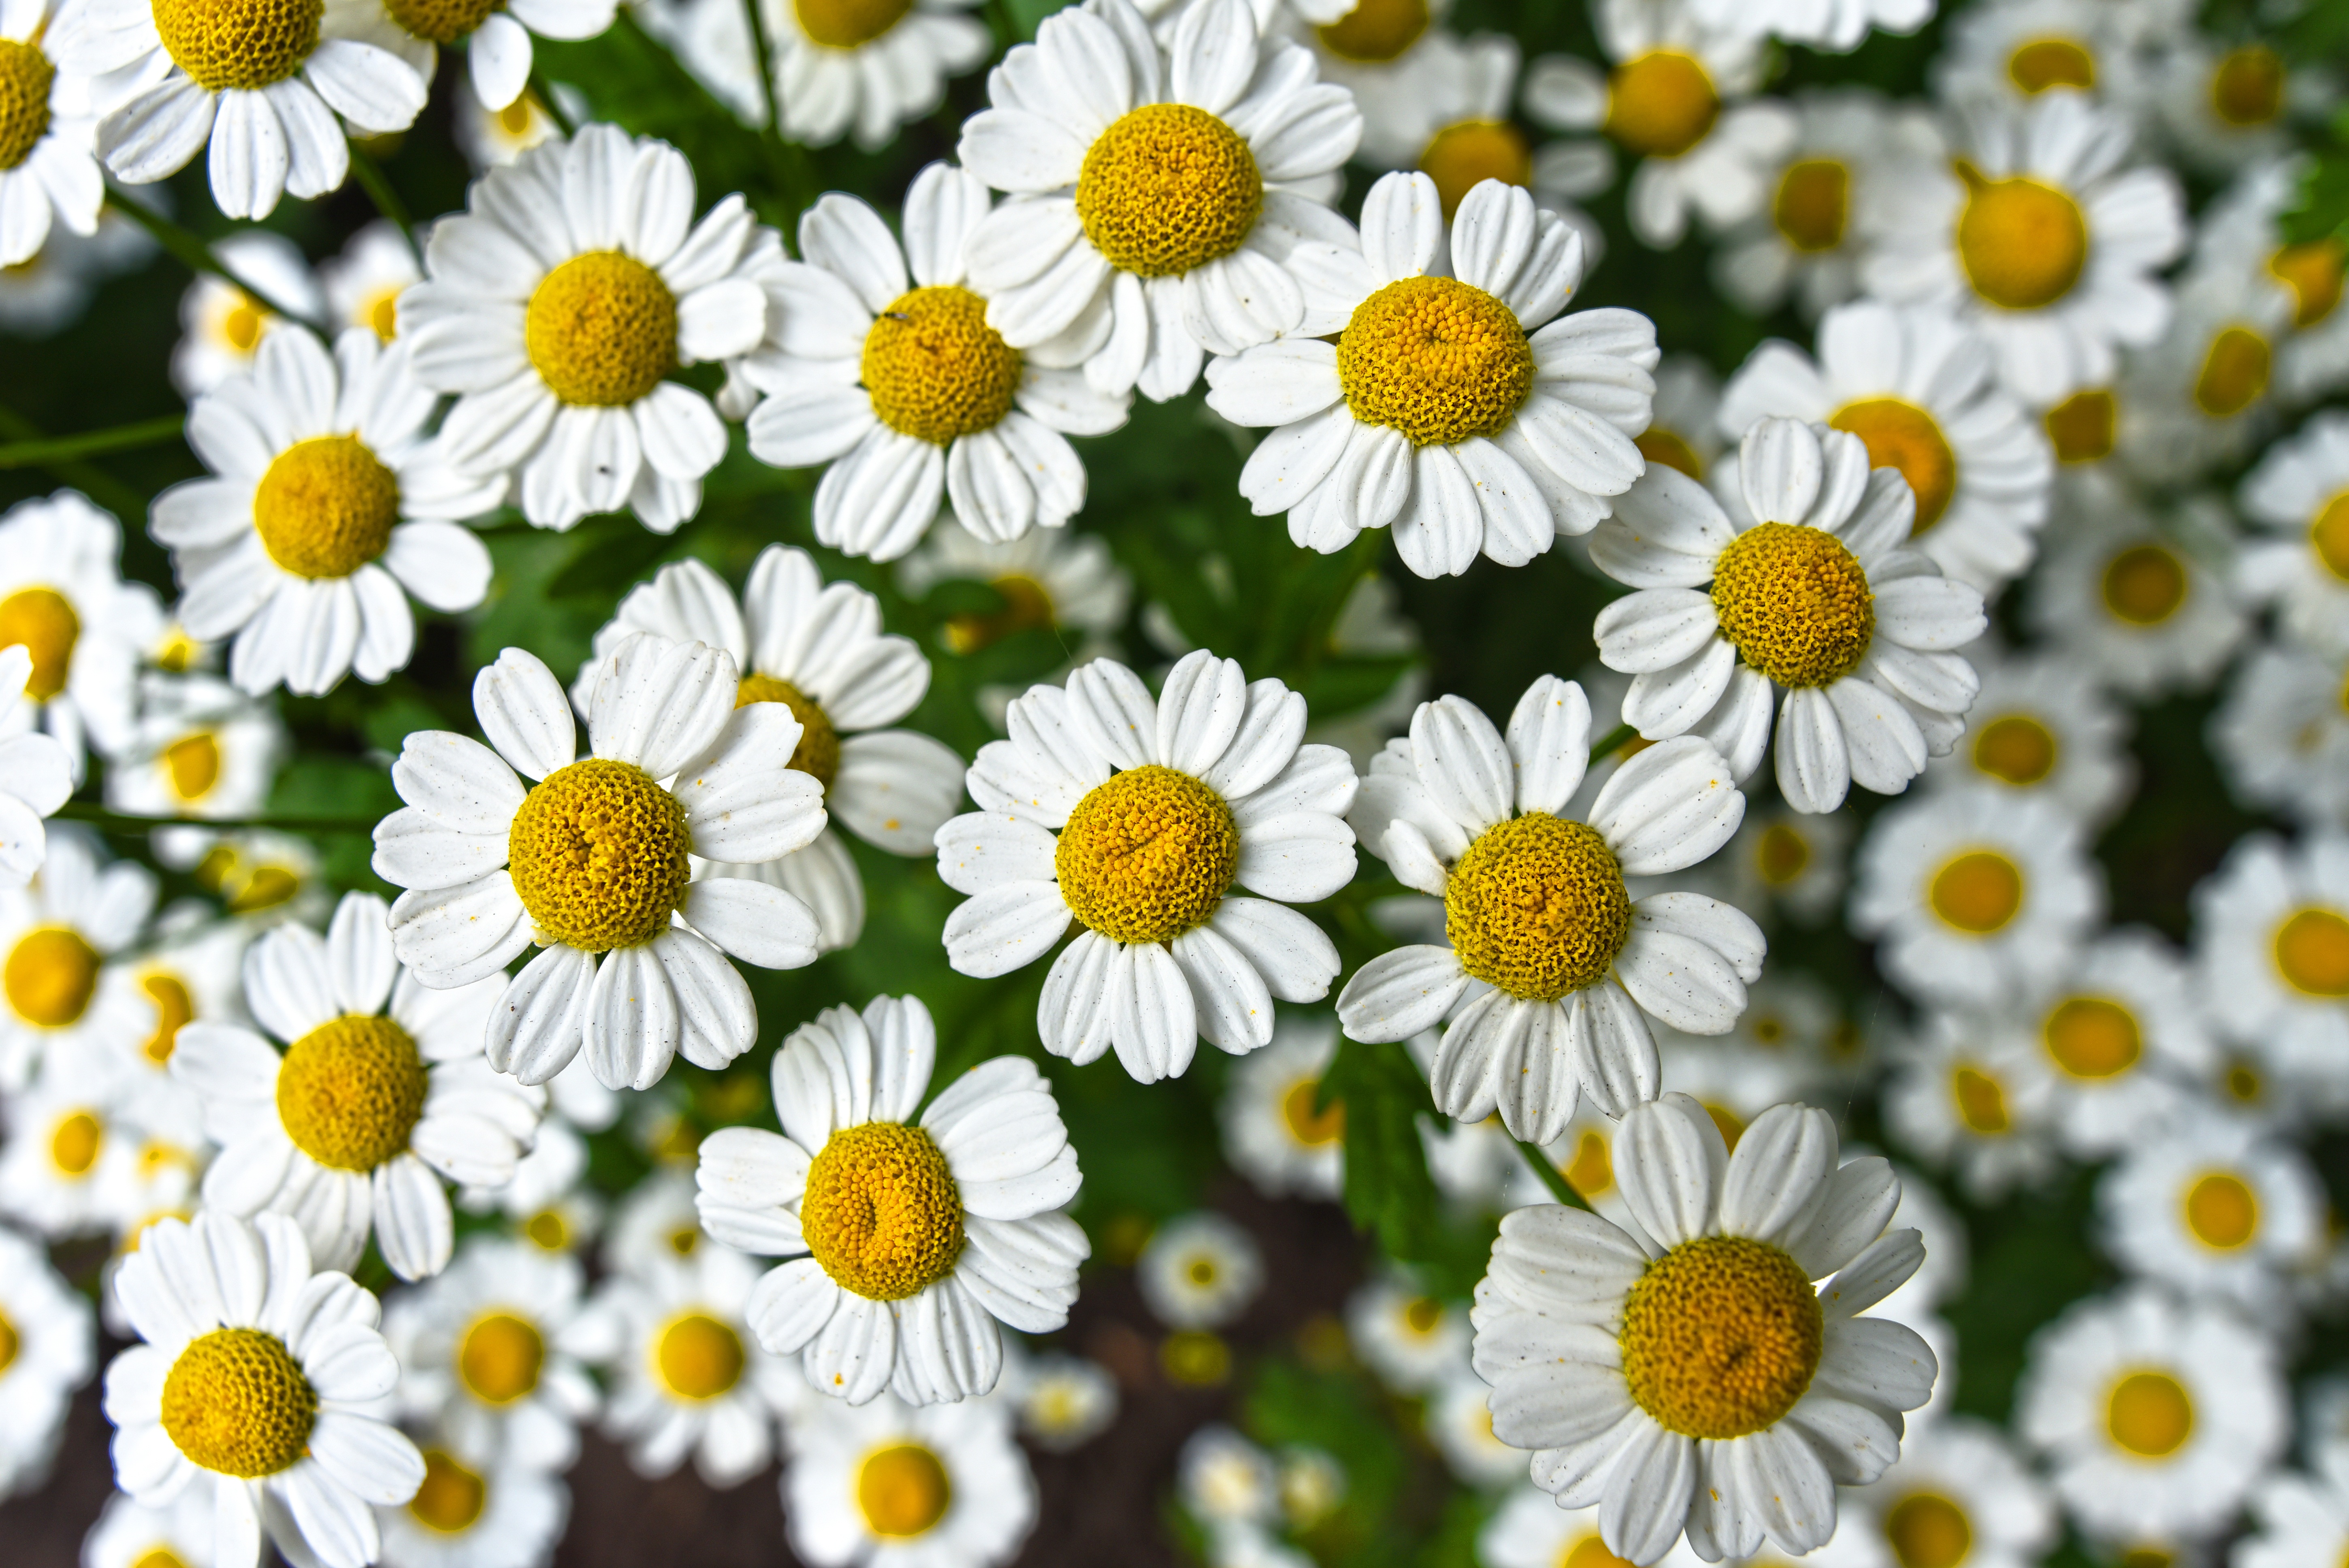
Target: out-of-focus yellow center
(1663,447)
(697,1357)
(2081,426)
(1901,435)
(44,621)
(1467,152)
(1538,907)
(500,1358)
(818,753)
(75,1143)
(1977,891)
(1309,1127)
(2234,373)
(2144,585)
(2222,1213)
(903,1491)
(2328,535)
(1661,103)
(2247,87)
(2092,1036)
(1781,854)
(1812,206)
(848,24)
(451,1499)
(2016,747)
(1981,1102)
(1375,31)
(2311,953)
(1592,1169)
(2313,272)
(2149,1414)
(174,1009)
(50,976)
(2043,63)
(2022,244)
(1027,605)
(1926,1530)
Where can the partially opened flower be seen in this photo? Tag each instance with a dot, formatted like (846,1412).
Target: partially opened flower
(592,864)
(1549,970)
(919,1236)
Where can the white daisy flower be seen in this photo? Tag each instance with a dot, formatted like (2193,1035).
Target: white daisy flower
(1136,818)
(47,138)
(1779,1050)
(329,500)
(2043,727)
(2139,601)
(660,1221)
(1678,98)
(257,1381)
(496,37)
(130,1534)
(851,66)
(2222,108)
(1159,194)
(1223,1480)
(189,972)
(1531,1531)
(264,877)
(1454,407)
(1700,1379)
(2282,733)
(1064,1401)
(72,1165)
(201,748)
(363,284)
(503,1514)
(2013,52)
(487,1358)
(1922,392)
(2301,1518)
(2299,497)
(49,1343)
(1813,588)
(1958,1495)
(2039,237)
(2241,230)
(1969,1103)
(1406,72)
(592,864)
(1458,1421)
(63,597)
(1274,1134)
(1583,1156)
(2155,1416)
(2198,397)
(262,82)
(2216,1210)
(1199,1271)
(1974,893)
(222,325)
(64,997)
(1409,1340)
(1049,580)
(1787,863)
(1550,970)
(557,321)
(889,1483)
(2272,937)
(491,138)
(36,773)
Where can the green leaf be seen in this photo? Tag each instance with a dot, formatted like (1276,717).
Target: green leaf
(1389,1192)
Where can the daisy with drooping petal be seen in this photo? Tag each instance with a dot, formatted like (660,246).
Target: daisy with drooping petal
(48,1345)
(887,1483)
(1159,195)
(817,648)
(592,864)
(258,1380)
(2299,496)
(2282,733)
(486,1359)
(863,68)
(35,774)
(380,1092)
(2216,1210)
(46,136)
(1199,1271)
(2137,600)
(1700,1380)
(557,320)
(1550,970)
(504,1512)
(496,35)
(62,596)
(363,284)
(2272,937)
(58,936)
(1962,1099)
(2042,726)
(1137,817)
(1275,1132)
(1814,588)
(919,1234)
(222,325)
(1454,407)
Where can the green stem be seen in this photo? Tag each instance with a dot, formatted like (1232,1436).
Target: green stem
(1551,1176)
(108,821)
(763,53)
(377,185)
(46,451)
(92,481)
(1611,741)
(197,255)
(543,91)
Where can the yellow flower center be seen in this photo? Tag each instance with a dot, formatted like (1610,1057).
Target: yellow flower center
(2243,1084)
(1813,204)
(818,753)
(1661,104)
(325,507)
(2313,272)
(847,23)
(24,78)
(2234,371)
(882,1213)
(265,887)
(74,1143)
(1727,1122)
(1309,1127)
(599,855)
(1423,1315)
(2045,63)
(2222,1211)
(1720,1336)
(1027,605)
(1538,907)
(2144,585)
(174,1008)
(1927,1531)
(1592,1169)
(2016,748)
(1195,1358)
(43,620)
(2092,1036)
(1586,1551)
(380,314)
(1794,603)
(1977,891)
(2328,535)
(235,1403)
(1900,434)
(1980,1100)
(2311,953)
(1782,854)
(191,766)
(602,329)
(247,44)
(2149,1414)
(450,1497)
(50,976)
(1467,152)
(1147,856)
(500,1359)
(1436,358)
(548,1230)
(241,326)
(1661,445)
(935,369)
(2022,244)
(2247,87)
(515,117)
(441,21)
(2081,426)
(1375,31)
(9,1342)
(350,1091)
(902,1491)
(1167,188)
(697,1357)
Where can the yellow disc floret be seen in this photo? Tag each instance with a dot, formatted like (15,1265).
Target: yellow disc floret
(935,369)
(500,1359)
(2247,87)
(1782,854)
(1147,856)
(1435,358)
(903,1491)
(1538,907)
(818,753)
(10,1342)
(2222,1211)
(246,44)
(43,620)
(1467,152)
(1167,188)
(24,78)
(450,1497)
(2234,373)
(697,1357)
(1375,31)
(2081,426)
(1928,1531)
(2149,1414)
(847,24)
(50,976)
(881,1212)
(326,508)
(599,855)
(1661,103)
(1812,205)
(442,21)
(2016,747)
(350,1091)
(235,1403)
(2311,953)
(1978,891)
(2045,63)
(2022,244)
(1794,603)
(1901,435)
(1720,1336)
(2144,585)
(602,329)
(2092,1036)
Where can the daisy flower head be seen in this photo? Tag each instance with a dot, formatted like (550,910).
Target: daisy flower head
(1411,1339)
(2282,733)
(1406,70)
(1959,1494)
(328,508)
(267,85)
(2221,106)
(1810,584)
(2216,1210)
(504,1512)
(380,1092)
(1199,1271)
(817,649)
(496,36)
(2298,497)
(556,308)
(888,1482)
(258,1379)
(1157,212)
(2198,397)
(888,369)
(1684,430)
(1550,970)
(1787,864)
(1138,818)
(1049,580)
(221,322)
(1965,1099)
(2139,600)
(2040,236)
(1275,1132)
(2045,727)
(2154,1416)
(1453,406)
(62,596)
(1838,26)
(1921,391)
(2013,52)
(492,137)
(2272,929)
(1064,1401)
(36,773)
(1530,1529)
(47,169)
(189,972)
(593,863)
(72,1165)
(362,282)
(50,1340)
(130,1534)
(1689,1375)
(66,993)
(855,68)
(487,1358)
(201,748)
(2242,230)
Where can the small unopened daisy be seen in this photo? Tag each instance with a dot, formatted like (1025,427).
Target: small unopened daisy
(2298,497)
(853,68)
(2216,1210)
(1922,392)
(259,82)
(1275,1133)
(35,774)
(486,1356)
(1813,588)
(1968,1101)
(504,1512)
(2271,935)
(200,748)
(63,994)
(1199,1271)
(48,171)
(50,1344)
(1064,1401)
(1550,970)
(62,596)
(1409,1339)
(2139,600)
(2042,237)
(362,284)
(2042,726)
(1454,407)
(1959,1495)
(258,1380)
(2282,733)
(889,1483)
(1702,1381)
(222,324)
(2198,397)
(591,864)
(2155,1416)
(1159,195)
(496,36)
(558,324)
